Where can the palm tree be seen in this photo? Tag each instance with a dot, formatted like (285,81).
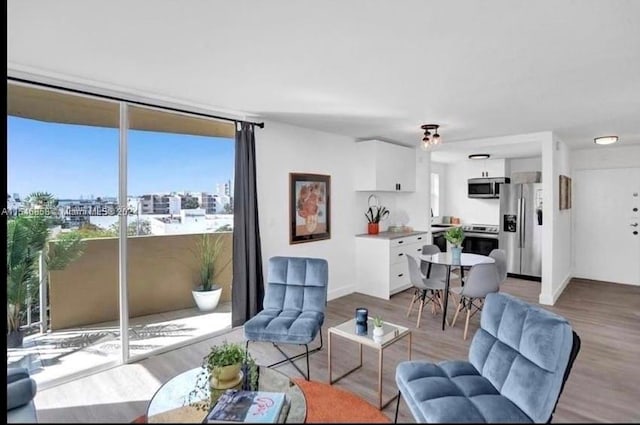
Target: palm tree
(45,204)
(41,200)
(26,237)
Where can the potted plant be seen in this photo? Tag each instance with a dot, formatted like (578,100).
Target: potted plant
(455,236)
(224,362)
(378,331)
(374,214)
(207,294)
(26,240)
(225,366)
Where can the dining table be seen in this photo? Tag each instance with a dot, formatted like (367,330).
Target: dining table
(449,260)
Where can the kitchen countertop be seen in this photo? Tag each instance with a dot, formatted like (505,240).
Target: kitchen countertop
(392,235)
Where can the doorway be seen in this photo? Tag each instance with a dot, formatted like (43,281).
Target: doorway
(607,225)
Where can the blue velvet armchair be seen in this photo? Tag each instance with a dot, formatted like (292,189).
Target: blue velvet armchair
(21,389)
(294,306)
(518,363)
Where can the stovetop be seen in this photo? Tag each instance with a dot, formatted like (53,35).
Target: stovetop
(480,228)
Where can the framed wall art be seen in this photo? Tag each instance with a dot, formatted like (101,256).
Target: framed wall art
(309,207)
(565,192)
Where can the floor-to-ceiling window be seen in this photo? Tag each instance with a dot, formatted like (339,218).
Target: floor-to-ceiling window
(179,181)
(62,180)
(84,170)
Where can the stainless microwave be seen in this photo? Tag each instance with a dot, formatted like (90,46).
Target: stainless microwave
(486,187)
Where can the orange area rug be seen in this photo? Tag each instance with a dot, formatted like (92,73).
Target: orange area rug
(328,404)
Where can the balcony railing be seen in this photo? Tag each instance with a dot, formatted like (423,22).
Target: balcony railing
(162,272)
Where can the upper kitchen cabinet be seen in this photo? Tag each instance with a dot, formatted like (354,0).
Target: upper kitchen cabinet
(383,166)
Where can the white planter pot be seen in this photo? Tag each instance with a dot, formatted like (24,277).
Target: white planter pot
(207,300)
(378,331)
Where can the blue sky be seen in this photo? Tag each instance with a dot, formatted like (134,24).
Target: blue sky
(74,160)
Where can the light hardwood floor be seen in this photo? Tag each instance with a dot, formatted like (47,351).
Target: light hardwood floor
(604,385)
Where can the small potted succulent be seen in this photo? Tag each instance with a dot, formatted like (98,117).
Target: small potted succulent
(378,331)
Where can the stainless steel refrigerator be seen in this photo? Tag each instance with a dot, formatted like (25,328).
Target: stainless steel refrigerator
(521,228)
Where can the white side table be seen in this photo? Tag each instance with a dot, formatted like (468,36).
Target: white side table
(392,333)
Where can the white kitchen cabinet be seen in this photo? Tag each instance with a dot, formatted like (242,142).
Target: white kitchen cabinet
(383,166)
(381,262)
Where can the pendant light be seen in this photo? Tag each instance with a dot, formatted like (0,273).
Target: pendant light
(430,139)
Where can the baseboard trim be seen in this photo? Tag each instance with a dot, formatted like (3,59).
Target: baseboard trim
(341,292)
(550,299)
(525,277)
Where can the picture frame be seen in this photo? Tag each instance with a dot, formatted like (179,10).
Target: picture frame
(309,207)
(565,193)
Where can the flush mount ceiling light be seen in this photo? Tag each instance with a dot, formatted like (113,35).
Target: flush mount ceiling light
(430,139)
(479,156)
(605,140)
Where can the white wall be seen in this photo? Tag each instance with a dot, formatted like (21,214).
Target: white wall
(458,204)
(281,149)
(606,157)
(516,165)
(562,261)
(386,199)
(416,206)
(556,241)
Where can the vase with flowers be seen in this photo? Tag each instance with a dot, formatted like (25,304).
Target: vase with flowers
(374,215)
(455,236)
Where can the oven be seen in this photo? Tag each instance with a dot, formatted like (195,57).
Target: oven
(479,243)
(440,241)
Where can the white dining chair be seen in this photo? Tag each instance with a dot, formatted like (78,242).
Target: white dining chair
(482,279)
(427,290)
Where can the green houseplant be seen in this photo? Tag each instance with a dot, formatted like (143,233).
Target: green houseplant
(27,238)
(208,249)
(221,369)
(455,236)
(374,215)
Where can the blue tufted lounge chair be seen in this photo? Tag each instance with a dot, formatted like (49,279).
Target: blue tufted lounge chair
(21,389)
(295,301)
(519,360)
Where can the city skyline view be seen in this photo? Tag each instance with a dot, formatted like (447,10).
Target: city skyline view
(77,161)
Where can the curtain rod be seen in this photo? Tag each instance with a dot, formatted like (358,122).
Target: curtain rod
(134,102)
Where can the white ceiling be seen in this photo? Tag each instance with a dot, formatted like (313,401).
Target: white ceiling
(362,68)
(514,146)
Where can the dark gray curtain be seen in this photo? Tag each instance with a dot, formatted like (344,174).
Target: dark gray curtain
(248,287)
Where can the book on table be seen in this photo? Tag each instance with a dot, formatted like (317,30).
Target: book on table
(246,406)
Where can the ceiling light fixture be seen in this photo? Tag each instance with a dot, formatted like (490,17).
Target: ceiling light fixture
(605,140)
(429,140)
(479,156)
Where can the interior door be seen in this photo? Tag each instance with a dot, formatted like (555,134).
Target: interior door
(607,225)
